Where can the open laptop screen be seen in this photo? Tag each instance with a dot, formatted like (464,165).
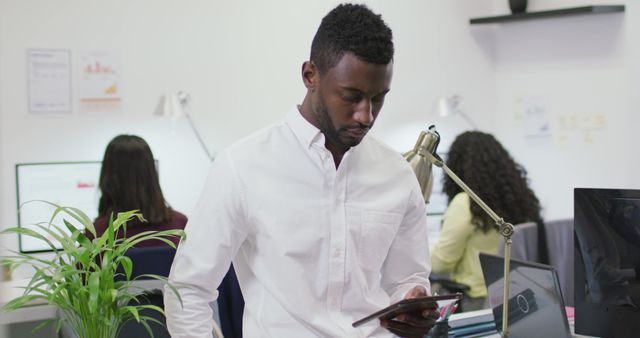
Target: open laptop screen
(536,307)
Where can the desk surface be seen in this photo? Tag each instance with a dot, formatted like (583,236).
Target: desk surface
(456,316)
(40,309)
(36,310)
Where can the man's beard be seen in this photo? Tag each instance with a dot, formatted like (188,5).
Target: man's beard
(330,132)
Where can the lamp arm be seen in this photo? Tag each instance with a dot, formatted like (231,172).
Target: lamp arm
(466,117)
(505,229)
(195,131)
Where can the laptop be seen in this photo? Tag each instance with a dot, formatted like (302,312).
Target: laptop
(536,306)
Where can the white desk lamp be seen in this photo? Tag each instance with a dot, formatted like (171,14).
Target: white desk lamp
(421,158)
(177,105)
(449,106)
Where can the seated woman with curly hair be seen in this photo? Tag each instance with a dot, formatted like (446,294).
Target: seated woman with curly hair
(488,169)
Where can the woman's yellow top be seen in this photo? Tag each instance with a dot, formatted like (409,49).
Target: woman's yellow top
(459,244)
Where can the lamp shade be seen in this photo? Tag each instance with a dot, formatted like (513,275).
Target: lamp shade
(172,105)
(443,108)
(176,105)
(420,164)
(449,106)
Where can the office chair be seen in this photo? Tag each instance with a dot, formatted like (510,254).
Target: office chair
(524,242)
(156,261)
(560,243)
(149,260)
(558,237)
(230,305)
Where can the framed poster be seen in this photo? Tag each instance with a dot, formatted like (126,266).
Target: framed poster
(99,82)
(49,81)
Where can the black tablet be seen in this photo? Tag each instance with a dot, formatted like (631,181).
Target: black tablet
(408,306)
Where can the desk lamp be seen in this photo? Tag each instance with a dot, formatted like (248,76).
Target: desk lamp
(421,158)
(449,106)
(179,105)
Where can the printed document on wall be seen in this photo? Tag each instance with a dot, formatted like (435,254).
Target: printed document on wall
(99,82)
(49,80)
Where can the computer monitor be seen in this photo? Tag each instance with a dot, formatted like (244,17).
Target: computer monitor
(536,307)
(72,184)
(607,262)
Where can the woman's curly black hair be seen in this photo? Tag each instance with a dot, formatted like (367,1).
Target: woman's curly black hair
(488,169)
(351,28)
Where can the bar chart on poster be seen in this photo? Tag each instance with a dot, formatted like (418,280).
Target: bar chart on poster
(72,184)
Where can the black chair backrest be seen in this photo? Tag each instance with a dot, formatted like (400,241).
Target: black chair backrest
(155,260)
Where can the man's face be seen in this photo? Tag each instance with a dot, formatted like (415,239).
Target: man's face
(348,98)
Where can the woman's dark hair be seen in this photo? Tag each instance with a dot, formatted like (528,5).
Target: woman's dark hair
(351,28)
(488,169)
(129,181)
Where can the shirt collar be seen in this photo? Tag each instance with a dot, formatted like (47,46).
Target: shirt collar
(306,132)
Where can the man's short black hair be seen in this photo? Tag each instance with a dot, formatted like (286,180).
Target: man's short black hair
(351,28)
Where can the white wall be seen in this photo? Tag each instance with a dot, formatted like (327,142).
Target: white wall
(240,60)
(155,58)
(3,331)
(261,47)
(574,69)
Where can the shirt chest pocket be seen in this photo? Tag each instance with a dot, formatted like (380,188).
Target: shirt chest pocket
(377,232)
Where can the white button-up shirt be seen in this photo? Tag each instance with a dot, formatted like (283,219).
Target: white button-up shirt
(314,247)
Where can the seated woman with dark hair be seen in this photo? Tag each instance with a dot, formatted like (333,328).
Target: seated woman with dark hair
(488,169)
(129,181)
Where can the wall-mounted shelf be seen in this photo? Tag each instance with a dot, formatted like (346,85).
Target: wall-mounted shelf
(549,14)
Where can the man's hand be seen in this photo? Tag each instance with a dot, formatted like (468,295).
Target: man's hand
(412,325)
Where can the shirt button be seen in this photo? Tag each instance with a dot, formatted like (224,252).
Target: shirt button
(336,253)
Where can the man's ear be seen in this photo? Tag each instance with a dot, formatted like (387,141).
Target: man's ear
(310,75)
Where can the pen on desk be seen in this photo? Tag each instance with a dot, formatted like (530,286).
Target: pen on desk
(442,312)
(452,310)
(446,312)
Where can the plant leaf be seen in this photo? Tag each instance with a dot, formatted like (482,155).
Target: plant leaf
(134,311)
(43,324)
(94,290)
(127,265)
(79,278)
(20,302)
(30,233)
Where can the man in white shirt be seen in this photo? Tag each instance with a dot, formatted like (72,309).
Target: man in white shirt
(324,224)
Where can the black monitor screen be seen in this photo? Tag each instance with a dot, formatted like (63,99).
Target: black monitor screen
(607,284)
(536,307)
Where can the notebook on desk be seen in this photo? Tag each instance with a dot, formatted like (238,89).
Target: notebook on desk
(536,307)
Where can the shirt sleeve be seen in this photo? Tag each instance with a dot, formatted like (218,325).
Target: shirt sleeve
(214,232)
(407,263)
(454,235)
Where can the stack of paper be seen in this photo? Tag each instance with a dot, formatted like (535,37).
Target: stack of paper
(571,315)
(472,324)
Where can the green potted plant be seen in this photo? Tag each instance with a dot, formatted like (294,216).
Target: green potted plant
(90,281)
